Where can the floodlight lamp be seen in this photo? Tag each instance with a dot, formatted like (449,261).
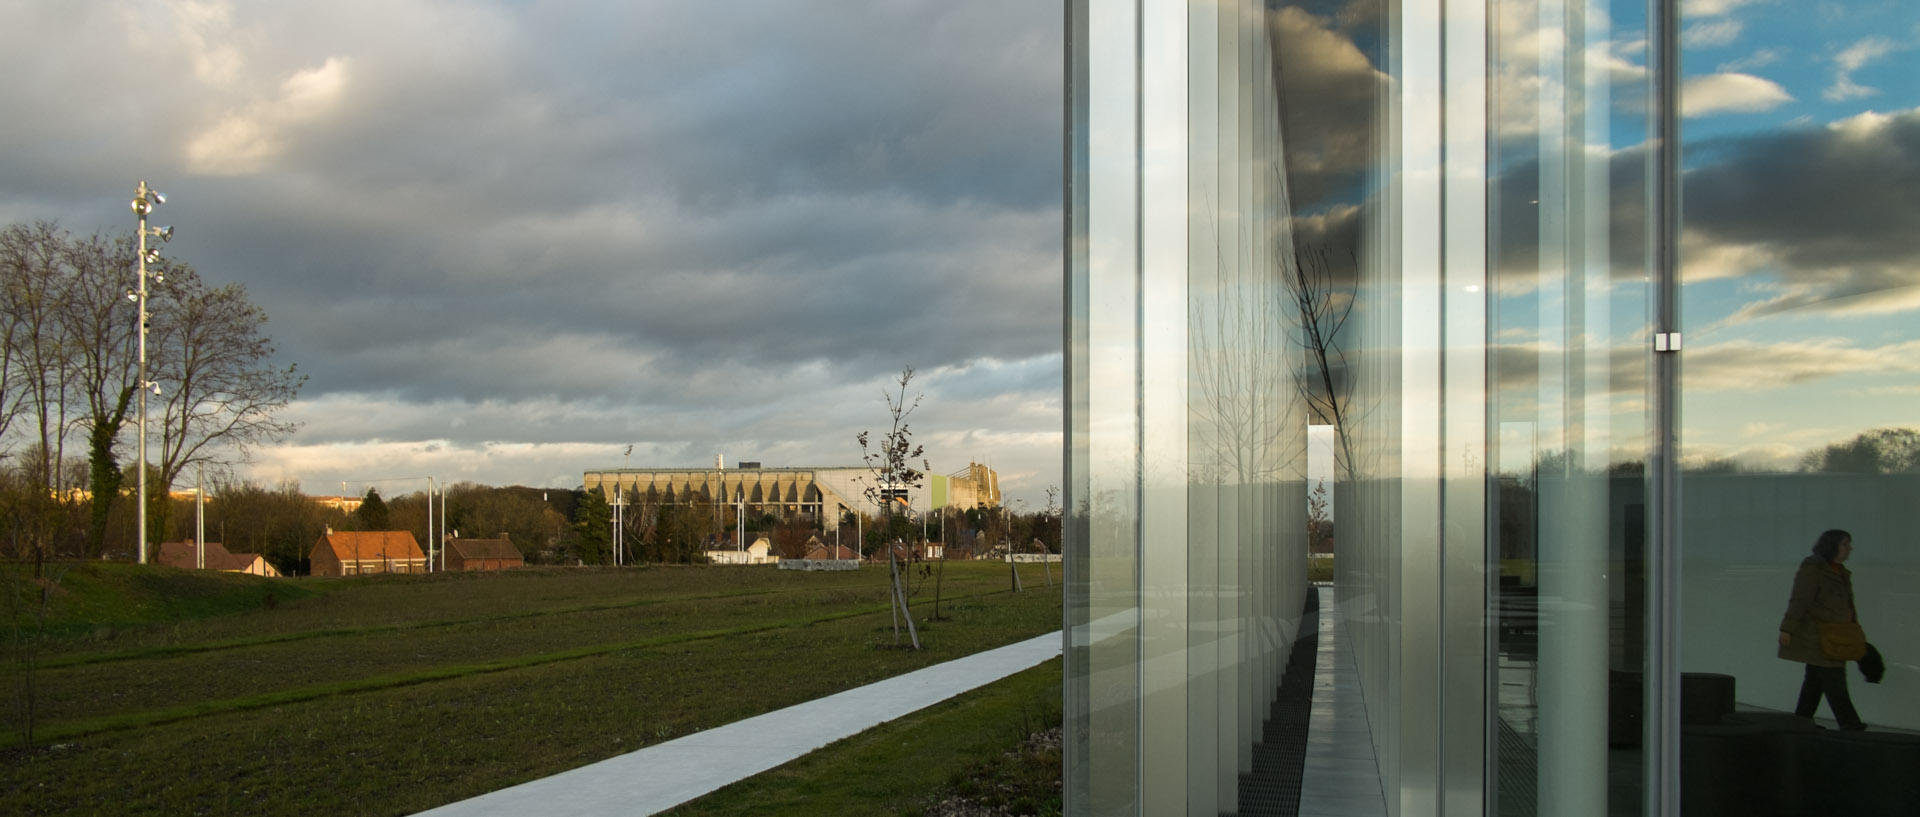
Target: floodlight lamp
(158,197)
(153,255)
(159,277)
(164,233)
(142,207)
(133,296)
(155,386)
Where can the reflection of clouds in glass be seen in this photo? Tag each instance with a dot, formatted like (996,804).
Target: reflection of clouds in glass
(1851,59)
(1730,93)
(1745,365)
(1328,89)
(1529,61)
(1710,8)
(1822,213)
(1712,33)
(1729,366)
(1758,59)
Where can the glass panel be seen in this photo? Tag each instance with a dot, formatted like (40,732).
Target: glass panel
(1800,394)
(1568,388)
(1105,493)
(1185,429)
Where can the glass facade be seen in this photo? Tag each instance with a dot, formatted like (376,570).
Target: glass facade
(1453,231)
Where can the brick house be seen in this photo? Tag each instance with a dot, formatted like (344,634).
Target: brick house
(356,553)
(821,550)
(482,554)
(182,555)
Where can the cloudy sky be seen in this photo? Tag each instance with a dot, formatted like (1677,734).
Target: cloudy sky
(1801,205)
(506,239)
(1802,225)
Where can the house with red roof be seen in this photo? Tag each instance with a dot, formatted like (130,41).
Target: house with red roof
(482,554)
(358,553)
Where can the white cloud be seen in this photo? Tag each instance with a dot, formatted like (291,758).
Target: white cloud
(1851,59)
(245,141)
(1743,365)
(1758,59)
(1712,33)
(1711,8)
(1730,93)
(210,39)
(1823,297)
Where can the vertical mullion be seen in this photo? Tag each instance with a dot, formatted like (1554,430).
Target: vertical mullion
(1663,575)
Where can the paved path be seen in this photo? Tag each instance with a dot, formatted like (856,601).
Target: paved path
(665,775)
(1341,778)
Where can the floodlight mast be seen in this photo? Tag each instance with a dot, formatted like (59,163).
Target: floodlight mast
(144,199)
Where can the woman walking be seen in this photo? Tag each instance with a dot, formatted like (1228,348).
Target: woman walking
(1822,594)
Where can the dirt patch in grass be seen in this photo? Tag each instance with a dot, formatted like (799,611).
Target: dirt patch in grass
(1020,782)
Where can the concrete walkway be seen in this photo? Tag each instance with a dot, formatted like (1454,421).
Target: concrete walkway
(1341,778)
(662,776)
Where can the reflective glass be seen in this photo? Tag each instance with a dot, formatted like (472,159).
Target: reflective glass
(1800,392)
(1568,385)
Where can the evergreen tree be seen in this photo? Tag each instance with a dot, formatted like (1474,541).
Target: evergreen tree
(372,514)
(593,528)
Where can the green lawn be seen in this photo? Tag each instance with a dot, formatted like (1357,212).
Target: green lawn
(165,692)
(970,746)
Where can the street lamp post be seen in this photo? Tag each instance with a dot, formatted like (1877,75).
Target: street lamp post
(144,199)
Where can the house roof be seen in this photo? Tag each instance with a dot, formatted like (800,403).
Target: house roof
(180,554)
(501,548)
(824,551)
(369,545)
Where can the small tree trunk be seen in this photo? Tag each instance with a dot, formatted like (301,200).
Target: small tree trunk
(900,594)
(938,574)
(1014,567)
(893,595)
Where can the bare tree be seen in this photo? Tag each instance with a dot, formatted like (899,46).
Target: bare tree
(1047,531)
(34,265)
(98,330)
(69,353)
(891,460)
(222,396)
(1322,304)
(790,536)
(71,362)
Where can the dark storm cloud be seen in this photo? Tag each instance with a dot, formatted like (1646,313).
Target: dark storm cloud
(1829,211)
(518,221)
(1819,216)
(1328,89)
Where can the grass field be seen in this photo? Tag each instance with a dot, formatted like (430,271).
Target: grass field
(168,692)
(969,746)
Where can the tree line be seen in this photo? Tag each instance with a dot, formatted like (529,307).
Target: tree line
(69,380)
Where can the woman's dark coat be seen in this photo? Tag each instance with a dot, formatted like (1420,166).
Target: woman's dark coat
(1822,591)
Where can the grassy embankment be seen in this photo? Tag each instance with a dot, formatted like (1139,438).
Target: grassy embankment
(162,691)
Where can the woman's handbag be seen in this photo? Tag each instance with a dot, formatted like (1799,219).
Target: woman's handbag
(1842,641)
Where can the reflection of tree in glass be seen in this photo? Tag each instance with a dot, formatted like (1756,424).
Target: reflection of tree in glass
(1880,451)
(1319,525)
(1323,304)
(1237,368)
